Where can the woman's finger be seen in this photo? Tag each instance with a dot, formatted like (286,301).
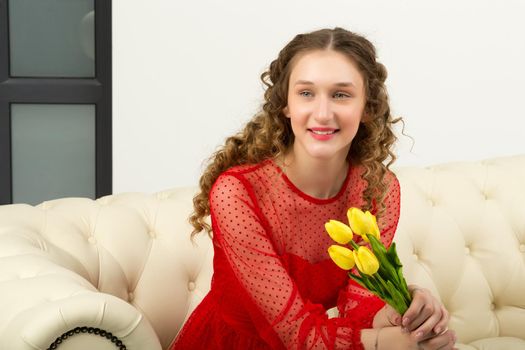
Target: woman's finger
(393,317)
(426,330)
(428,318)
(444,341)
(422,307)
(417,304)
(443,323)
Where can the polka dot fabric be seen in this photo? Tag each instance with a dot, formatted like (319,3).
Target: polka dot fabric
(273,279)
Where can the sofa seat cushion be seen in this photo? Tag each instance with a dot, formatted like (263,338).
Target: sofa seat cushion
(496,343)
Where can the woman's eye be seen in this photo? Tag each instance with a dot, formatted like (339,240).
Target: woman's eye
(341,95)
(305,93)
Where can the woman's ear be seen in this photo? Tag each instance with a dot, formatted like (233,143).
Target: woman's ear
(286,112)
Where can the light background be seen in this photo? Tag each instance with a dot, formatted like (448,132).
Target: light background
(186,75)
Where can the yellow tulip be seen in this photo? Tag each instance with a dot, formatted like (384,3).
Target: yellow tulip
(363,223)
(341,256)
(338,231)
(366,261)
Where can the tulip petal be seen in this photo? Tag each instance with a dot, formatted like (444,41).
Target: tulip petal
(363,223)
(356,218)
(341,256)
(371,223)
(338,231)
(366,261)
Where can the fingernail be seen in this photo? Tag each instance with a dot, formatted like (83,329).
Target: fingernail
(438,330)
(404,330)
(405,321)
(419,335)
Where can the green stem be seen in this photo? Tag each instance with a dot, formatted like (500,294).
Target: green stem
(381,280)
(354,245)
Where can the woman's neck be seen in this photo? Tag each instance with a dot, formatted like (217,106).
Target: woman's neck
(318,178)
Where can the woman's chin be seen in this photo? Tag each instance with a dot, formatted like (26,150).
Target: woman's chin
(327,153)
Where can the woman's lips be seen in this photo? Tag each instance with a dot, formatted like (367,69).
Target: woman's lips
(322,134)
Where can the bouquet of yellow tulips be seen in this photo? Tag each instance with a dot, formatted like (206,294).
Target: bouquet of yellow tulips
(380,270)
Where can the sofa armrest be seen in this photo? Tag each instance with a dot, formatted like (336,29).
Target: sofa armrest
(39,326)
(45,293)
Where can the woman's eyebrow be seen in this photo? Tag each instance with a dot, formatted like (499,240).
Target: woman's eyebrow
(342,84)
(345,83)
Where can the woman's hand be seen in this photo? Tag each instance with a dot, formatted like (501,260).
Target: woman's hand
(387,317)
(426,317)
(423,326)
(395,338)
(443,341)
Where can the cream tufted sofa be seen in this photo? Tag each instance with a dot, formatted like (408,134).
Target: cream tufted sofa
(121,272)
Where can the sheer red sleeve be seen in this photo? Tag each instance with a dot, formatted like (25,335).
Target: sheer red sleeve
(282,318)
(355,302)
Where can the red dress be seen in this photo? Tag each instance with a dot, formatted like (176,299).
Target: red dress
(273,279)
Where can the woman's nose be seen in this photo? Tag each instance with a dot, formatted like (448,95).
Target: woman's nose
(323,110)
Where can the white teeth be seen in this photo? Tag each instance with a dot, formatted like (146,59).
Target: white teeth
(323,132)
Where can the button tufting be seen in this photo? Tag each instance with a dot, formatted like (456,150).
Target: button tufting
(152,234)
(131,296)
(431,202)
(467,250)
(492,306)
(92,240)
(522,248)
(415,256)
(191,286)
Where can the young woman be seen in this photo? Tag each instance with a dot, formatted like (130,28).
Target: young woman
(317,148)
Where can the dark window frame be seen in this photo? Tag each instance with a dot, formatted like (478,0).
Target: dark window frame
(97,91)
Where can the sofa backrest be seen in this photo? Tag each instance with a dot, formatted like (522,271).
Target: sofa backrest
(462,234)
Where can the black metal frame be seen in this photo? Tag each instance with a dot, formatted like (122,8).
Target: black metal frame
(95,91)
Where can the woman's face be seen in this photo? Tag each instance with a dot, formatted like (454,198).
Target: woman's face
(326,100)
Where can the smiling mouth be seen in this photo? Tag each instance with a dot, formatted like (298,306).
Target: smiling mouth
(323,132)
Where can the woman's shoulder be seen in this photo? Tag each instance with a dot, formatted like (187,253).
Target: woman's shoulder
(391,178)
(248,168)
(243,181)
(245,173)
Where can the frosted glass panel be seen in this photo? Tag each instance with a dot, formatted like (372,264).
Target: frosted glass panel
(52,38)
(53,151)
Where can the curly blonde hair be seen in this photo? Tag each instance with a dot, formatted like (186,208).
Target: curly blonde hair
(269,133)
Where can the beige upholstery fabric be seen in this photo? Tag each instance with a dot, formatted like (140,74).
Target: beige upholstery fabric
(462,235)
(124,263)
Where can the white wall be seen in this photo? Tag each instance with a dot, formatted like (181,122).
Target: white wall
(186,75)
